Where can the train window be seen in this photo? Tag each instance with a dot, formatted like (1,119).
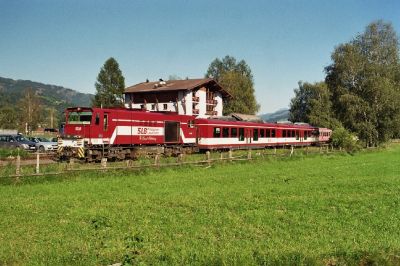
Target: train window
(97,120)
(217,132)
(165,106)
(191,124)
(153,107)
(225,132)
(297,134)
(105,122)
(241,134)
(284,134)
(305,133)
(293,134)
(262,133)
(233,132)
(273,133)
(268,133)
(255,134)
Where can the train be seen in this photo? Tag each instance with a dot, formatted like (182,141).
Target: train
(92,133)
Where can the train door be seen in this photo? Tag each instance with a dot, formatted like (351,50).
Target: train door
(171,131)
(106,128)
(97,132)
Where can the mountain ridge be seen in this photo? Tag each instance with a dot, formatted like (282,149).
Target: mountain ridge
(51,95)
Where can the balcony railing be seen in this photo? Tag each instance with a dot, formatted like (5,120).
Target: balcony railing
(210,101)
(211,113)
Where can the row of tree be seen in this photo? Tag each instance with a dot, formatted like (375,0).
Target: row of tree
(361,91)
(28,114)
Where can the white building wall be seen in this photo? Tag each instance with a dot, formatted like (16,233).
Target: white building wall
(219,106)
(185,104)
(201,106)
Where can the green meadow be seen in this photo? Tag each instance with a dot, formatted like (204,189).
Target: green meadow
(329,209)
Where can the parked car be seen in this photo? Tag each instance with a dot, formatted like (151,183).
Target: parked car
(43,144)
(16,141)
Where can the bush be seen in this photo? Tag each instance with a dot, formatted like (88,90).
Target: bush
(342,138)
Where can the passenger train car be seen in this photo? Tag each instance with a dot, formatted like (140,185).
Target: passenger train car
(94,133)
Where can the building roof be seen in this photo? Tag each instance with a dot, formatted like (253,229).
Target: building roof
(176,85)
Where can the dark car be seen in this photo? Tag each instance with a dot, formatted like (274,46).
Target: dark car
(16,141)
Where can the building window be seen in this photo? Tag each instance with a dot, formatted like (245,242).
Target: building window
(233,132)
(217,132)
(225,132)
(255,134)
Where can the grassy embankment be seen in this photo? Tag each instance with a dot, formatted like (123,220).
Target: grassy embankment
(301,210)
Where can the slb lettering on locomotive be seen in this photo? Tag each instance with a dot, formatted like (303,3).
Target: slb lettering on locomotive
(142,131)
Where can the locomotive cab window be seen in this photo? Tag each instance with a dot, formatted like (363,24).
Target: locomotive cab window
(255,134)
(241,134)
(191,123)
(233,132)
(217,132)
(79,117)
(225,132)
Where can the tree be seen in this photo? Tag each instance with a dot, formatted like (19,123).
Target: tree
(311,104)
(110,85)
(236,78)
(8,117)
(364,83)
(30,110)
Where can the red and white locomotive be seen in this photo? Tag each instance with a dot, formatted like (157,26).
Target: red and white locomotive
(94,133)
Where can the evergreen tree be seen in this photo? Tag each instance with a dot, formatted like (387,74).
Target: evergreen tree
(236,78)
(110,85)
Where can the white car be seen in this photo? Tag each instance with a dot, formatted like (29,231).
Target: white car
(43,144)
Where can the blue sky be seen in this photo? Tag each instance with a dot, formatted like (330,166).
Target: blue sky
(66,42)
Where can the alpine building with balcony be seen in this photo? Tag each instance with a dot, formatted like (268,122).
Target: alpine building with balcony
(198,97)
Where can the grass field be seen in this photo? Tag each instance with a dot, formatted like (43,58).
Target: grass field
(321,209)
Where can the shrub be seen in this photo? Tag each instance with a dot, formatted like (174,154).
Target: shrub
(342,138)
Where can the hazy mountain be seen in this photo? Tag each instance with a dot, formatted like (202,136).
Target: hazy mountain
(51,95)
(280,115)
